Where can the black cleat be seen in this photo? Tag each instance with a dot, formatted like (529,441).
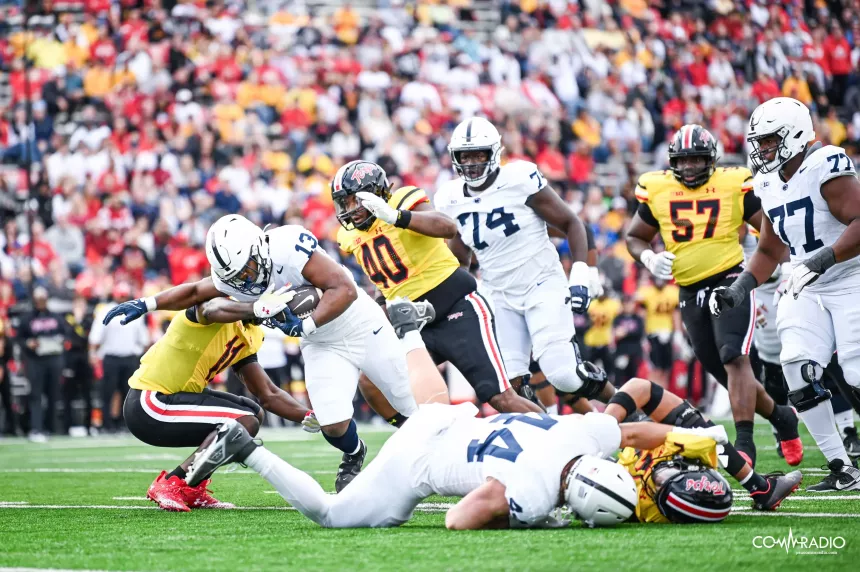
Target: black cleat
(779,486)
(851,442)
(407,316)
(232,444)
(842,477)
(349,468)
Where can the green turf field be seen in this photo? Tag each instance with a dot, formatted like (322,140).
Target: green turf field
(79,504)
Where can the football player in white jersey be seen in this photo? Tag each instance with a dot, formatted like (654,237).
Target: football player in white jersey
(502,214)
(811,196)
(513,470)
(347,332)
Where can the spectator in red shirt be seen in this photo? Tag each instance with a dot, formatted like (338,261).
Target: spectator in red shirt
(765,88)
(838,54)
(581,165)
(185,260)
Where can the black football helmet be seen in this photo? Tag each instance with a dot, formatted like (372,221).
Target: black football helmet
(352,178)
(693,141)
(687,492)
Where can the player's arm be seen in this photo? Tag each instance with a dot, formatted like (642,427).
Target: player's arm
(556,213)
(461,251)
(752,206)
(423,219)
(271,397)
(177,298)
(223,311)
(843,199)
(642,230)
(484,508)
(339,291)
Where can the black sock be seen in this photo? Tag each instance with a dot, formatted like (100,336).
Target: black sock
(397,420)
(735,463)
(783,420)
(178,472)
(744,432)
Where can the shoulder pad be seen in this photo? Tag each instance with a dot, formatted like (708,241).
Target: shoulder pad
(407,198)
(830,162)
(649,184)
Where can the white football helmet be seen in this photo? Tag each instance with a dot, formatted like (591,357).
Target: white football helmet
(600,492)
(238,252)
(475,134)
(786,118)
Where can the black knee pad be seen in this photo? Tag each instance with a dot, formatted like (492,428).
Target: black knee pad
(625,401)
(811,395)
(654,400)
(685,415)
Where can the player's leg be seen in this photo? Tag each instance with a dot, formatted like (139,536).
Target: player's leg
(185,420)
(767,491)
(385,362)
(467,339)
(661,358)
(543,389)
(331,378)
(515,345)
(843,408)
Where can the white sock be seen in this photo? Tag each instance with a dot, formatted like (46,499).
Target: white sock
(822,426)
(552,409)
(844,420)
(412,341)
(297,487)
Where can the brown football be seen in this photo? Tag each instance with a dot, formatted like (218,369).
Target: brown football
(305,301)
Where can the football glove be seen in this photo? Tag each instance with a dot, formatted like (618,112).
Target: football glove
(273,303)
(723,298)
(660,265)
(132,310)
(809,270)
(378,207)
(310,422)
(580,279)
(292,326)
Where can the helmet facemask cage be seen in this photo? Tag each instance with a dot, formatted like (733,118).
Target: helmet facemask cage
(781,153)
(253,278)
(475,174)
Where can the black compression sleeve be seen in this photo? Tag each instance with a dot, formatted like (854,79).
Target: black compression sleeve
(644,212)
(752,204)
(244,361)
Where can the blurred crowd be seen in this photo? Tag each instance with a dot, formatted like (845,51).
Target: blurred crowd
(136,123)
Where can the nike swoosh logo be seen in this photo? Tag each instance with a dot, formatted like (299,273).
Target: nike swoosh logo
(281,269)
(502,186)
(802,170)
(541,282)
(308,298)
(377,331)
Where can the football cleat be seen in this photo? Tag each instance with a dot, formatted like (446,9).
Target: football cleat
(779,486)
(201,497)
(232,444)
(407,316)
(842,477)
(167,493)
(349,468)
(851,442)
(791,449)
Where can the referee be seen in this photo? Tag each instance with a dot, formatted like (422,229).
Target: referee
(119,349)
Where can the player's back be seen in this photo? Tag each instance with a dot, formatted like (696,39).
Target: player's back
(699,226)
(399,261)
(190,355)
(508,236)
(514,447)
(800,214)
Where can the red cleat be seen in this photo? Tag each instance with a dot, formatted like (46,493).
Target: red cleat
(167,493)
(200,497)
(793,451)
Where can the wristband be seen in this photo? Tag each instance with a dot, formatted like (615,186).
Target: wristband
(150,303)
(821,260)
(308,326)
(403,219)
(745,283)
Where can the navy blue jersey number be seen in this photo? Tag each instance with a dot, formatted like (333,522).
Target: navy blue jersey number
(306,238)
(778,215)
(494,219)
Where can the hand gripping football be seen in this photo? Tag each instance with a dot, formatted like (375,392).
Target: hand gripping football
(305,301)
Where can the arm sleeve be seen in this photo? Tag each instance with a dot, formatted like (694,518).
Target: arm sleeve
(644,212)
(191,314)
(752,204)
(589,237)
(244,361)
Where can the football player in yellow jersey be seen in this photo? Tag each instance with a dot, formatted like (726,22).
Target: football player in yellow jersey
(660,301)
(169,404)
(678,481)
(697,209)
(399,241)
(598,338)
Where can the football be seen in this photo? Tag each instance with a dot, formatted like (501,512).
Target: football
(305,301)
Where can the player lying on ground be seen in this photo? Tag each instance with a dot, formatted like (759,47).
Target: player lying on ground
(698,209)
(399,241)
(345,333)
(169,404)
(766,491)
(811,196)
